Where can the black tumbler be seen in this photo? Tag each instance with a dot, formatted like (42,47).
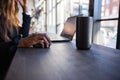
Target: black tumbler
(84,27)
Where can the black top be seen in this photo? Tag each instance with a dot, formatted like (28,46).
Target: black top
(7,49)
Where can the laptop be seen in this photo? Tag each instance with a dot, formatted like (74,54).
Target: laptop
(67,33)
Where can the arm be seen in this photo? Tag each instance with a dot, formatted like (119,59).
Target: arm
(10,47)
(24,30)
(30,40)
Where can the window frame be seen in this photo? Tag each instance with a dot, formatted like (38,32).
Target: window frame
(97,19)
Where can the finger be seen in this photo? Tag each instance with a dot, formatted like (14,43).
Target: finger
(45,35)
(48,39)
(46,42)
(42,43)
(42,36)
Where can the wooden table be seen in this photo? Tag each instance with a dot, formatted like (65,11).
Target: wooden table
(62,61)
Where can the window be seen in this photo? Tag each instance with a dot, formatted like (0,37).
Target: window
(106,12)
(54,3)
(110,10)
(106,24)
(49,5)
(115,11)
(106,17)
(74,5)
(114,0)
(108,33)
(84,4)
(107,1)
(58,0)
(56,12)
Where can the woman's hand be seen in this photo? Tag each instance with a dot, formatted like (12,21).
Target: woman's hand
(23,4)
(35,39)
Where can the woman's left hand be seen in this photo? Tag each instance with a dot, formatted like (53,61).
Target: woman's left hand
(23,4)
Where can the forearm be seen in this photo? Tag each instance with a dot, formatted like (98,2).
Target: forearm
(24,30)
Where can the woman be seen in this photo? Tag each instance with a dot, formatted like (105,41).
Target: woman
(12,35)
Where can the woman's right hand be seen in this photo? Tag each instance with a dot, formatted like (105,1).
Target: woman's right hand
(34,39)
(23,4)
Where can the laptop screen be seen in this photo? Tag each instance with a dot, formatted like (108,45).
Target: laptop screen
(69,27)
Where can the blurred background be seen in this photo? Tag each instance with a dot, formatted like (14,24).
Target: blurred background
(50,16)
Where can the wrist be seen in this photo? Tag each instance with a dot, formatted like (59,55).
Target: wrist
(23,43)
(25,9)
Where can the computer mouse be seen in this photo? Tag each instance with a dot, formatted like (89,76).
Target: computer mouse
(40,46)
(37,46)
